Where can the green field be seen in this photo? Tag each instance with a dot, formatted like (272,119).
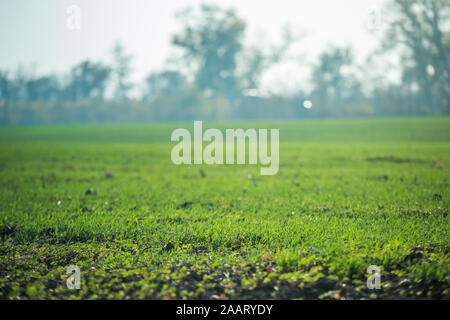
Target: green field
(349,194)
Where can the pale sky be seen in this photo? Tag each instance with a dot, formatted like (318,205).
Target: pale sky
(33,33)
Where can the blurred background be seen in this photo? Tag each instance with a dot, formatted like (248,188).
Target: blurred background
(103,61)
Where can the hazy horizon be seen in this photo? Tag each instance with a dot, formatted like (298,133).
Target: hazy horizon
(37,37)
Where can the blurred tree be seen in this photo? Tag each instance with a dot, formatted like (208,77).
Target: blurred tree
(332,86)
(44,88)
(121,70)
(163,83)
(12,89)
(212,41)
(5,95)
(257,59)
(421,30)
(87,80)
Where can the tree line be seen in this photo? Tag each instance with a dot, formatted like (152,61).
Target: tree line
(217,76)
